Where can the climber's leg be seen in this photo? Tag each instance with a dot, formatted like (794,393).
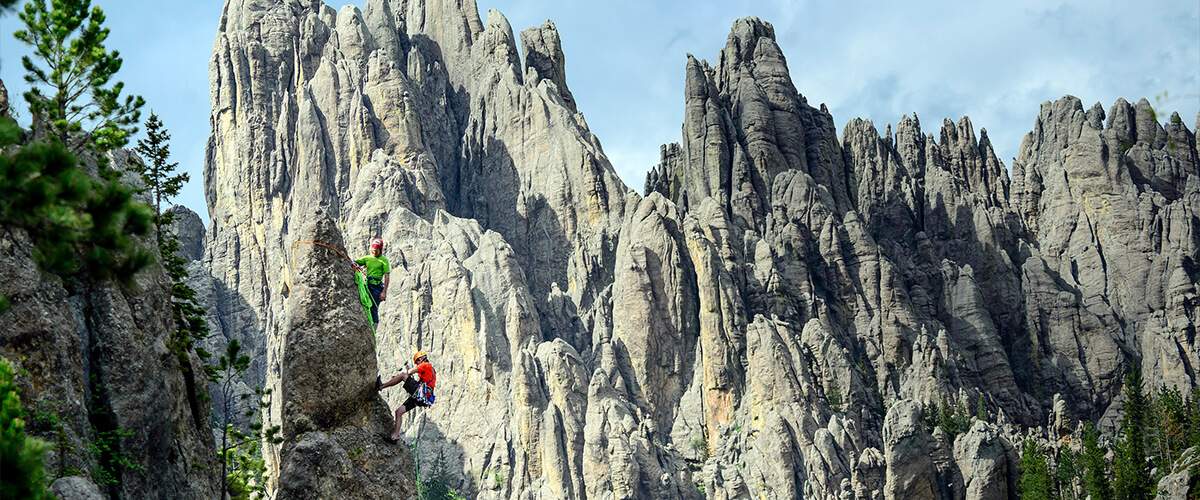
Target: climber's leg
(400,377)
(409,404)
(376,291)
(396,428)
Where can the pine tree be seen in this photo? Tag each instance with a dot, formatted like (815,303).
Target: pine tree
(1169,429)
(78,224)
(981,412)
(1193,418)
(437,484)
(160,181)
(71,77)
(242,467)
(1066,472)
(157,171)
(21,474)
(953,418)
(1036,482)
(1130,469)
(1095,466)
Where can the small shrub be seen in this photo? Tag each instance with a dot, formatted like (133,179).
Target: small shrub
(20,455)
(111,460)
(499,477)
(834,397)
(699,445)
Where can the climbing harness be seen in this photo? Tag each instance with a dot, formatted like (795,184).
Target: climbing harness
(424,394)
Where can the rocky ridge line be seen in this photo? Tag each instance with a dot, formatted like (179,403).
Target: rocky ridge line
(770,320)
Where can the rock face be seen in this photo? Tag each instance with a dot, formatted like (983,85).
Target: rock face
(333,423)
(94,370)
(1183,479)
(75,488)
(189,229)
(770,320)
(4,106)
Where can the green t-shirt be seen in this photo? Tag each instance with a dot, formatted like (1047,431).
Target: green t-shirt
(376,267)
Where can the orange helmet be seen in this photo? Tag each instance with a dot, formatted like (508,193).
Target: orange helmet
(418,355)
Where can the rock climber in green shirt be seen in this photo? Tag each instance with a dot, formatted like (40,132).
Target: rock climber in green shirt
(376,268)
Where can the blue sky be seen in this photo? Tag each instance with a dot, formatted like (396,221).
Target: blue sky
(994,61)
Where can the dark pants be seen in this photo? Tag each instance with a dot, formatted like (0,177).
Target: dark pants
(411,386)
(376,291)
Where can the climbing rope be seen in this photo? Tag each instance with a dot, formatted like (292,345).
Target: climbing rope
(412,448)
(318,243)
(290,262)
(360,281)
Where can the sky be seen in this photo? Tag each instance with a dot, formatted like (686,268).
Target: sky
(995,61)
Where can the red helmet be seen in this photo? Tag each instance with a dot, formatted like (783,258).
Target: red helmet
(377,243)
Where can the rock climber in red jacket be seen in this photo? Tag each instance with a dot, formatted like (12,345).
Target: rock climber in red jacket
(420,388)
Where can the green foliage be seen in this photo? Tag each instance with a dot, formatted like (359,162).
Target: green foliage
(1036,482)
(21,474)
(78,224)
(1170,433)
(231,365)
(498,477)
(981,412)
(4,304)
(699,445)
(1131,469)
(1156,427)
(1193,405)
(246,478)
(111,460)
(191,324)
(157,171)
(953,418)
(71,73)
(159,180)
(436,486)
(1066,473)
(834,397)
(45,422)
(242,467)
(1095,465)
